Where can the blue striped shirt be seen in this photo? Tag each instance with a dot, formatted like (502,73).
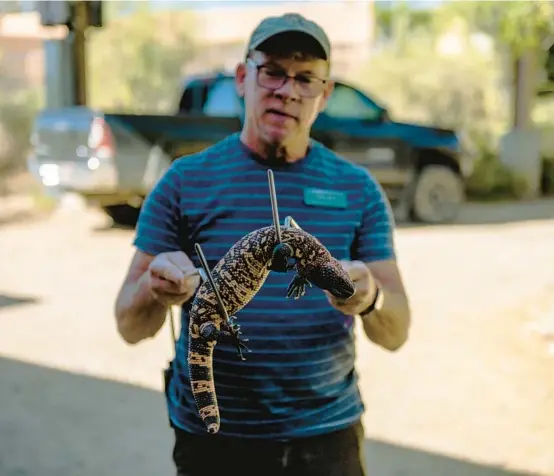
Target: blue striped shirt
(300,378)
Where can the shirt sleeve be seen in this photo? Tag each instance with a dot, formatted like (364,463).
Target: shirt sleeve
(374,239)
(158,225)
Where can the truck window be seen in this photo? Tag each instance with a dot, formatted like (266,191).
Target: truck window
(223,100)
(187,101)
(193,96)
(347,103)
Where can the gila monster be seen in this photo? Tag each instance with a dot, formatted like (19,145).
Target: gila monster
(238,276)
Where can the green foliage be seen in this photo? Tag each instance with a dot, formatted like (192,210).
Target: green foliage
(519,25)
(391,16)
(17,112)
(136,61)
(492,180)
(463,92)
(547,184)
(468,90)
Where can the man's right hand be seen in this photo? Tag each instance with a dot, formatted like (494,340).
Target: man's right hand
(173,278)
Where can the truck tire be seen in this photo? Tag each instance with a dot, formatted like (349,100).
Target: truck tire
(123,215)
(438,195)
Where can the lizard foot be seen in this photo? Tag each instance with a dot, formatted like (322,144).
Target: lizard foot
(297,287)
(233,333)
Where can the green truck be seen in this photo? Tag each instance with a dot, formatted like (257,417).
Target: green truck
(113,160)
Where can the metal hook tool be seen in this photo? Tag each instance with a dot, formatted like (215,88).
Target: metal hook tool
(206,268)
(274,207)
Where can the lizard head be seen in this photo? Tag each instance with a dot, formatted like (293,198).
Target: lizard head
(280,259)
(333,277)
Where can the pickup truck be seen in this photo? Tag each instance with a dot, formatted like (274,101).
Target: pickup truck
(113,160)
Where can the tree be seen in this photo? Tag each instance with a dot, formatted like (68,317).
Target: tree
(524,31)
(136,60)
(394,20)
(520,25)
(18,106)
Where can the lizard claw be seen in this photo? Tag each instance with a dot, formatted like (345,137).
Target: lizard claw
(297,287)
(233,332)
(242,346)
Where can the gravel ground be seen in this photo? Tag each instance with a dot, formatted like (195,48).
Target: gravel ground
(471,394)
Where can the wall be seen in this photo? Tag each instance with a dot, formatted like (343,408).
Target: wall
(224,31)
(22,50)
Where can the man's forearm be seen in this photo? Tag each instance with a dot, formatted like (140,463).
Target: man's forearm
(138,314)
(389,326)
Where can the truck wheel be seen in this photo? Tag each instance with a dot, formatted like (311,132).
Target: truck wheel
(438,195)
(123,215)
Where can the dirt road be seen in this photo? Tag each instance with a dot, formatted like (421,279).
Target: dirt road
(471,394)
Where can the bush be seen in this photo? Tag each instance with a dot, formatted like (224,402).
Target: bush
(466,91)
(492,180)
(17,113)
(144,73)
(547,183)
(462,92)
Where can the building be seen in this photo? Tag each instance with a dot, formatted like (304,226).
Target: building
(222,32)
(219,33)
(22,50)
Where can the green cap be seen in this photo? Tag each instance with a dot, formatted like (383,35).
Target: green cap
(289,22)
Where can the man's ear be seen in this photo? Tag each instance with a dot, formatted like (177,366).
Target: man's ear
(327,92)
(240,76)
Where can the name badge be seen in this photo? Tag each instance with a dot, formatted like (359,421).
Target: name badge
(319,197)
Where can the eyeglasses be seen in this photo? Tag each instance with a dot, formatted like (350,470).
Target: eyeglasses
(273,78)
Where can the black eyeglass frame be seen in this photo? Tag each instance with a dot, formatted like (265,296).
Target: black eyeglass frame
(282,79)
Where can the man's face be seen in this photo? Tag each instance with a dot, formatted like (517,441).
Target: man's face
(281,109)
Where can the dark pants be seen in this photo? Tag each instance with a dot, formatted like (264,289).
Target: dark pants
(336,454)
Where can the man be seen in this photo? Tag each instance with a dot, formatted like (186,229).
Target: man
(293,407)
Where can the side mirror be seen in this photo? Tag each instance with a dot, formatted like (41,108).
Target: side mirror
(376,115)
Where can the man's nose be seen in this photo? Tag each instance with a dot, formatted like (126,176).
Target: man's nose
(288,90)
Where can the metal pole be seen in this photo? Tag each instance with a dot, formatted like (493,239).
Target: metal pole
(525,88)
(78,31)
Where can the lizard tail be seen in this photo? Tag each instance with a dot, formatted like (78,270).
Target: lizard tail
(202,382)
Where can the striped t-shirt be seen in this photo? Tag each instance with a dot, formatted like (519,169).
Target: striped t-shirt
(299,378)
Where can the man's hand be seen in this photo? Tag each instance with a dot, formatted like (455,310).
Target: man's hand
(173,278)
(365,289)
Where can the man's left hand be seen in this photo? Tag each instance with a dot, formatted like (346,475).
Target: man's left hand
(365,289)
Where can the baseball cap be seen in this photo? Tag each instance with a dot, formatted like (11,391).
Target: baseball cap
(288,23)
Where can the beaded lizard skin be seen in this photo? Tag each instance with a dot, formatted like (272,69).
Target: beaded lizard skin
(238,276)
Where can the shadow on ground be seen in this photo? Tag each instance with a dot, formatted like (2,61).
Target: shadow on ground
(111,226)
(56,423)
(385,459)
(11,300)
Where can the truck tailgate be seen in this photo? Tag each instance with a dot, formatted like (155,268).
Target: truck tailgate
(70,152)
(62,134)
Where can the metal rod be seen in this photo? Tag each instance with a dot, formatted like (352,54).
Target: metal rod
(274,207)
(172,327)
(211,280)
(78,51)
(291,222)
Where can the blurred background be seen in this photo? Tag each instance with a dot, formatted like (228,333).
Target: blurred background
(449,103)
